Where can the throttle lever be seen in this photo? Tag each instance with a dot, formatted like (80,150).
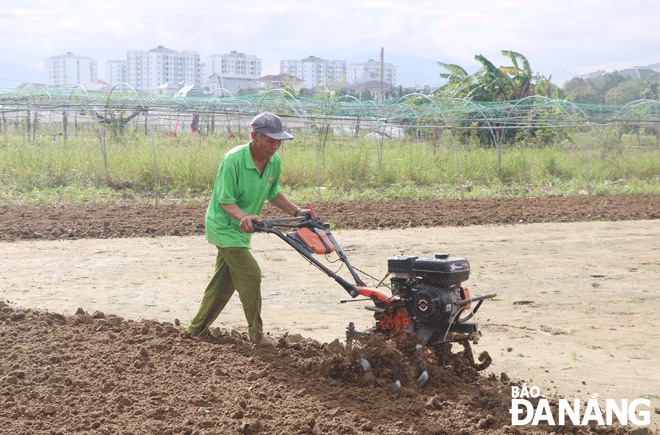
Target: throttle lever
(311,210)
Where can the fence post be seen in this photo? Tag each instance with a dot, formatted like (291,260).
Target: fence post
(27,120)
(34,125)
(65,120)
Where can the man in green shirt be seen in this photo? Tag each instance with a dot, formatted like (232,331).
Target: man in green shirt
(248,176)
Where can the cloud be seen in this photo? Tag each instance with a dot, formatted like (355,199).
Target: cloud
(71,22)
(638,26)
(375,4)
(235,27)
(555,35)
(114,24)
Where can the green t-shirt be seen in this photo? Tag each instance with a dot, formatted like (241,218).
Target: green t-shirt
(238,182)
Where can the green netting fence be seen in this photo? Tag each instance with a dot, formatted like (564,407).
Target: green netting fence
(60,114)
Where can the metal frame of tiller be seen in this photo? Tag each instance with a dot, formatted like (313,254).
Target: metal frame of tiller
(311,221)
(319,240)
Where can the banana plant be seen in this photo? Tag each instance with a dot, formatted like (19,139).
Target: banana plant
(492,83)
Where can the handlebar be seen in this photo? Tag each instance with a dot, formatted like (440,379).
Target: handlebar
(295,222)
(265,225)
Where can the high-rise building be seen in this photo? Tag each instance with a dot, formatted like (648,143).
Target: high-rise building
(314,71)
(146,70)
(233,71)
(233,63)
(369,71)
(67,69)
(116,71)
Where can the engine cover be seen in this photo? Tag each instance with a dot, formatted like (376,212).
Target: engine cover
(441,270)
(431,305)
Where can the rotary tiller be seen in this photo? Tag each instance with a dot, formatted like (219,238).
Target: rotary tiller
(426,297)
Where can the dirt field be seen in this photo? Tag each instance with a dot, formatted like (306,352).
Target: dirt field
(188,219)
(576,315)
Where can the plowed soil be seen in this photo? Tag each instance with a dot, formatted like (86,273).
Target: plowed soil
(94,372)
(188,219)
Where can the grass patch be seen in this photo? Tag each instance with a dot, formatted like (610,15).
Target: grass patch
(41,171)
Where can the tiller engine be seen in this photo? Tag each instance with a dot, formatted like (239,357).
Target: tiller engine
(426,297)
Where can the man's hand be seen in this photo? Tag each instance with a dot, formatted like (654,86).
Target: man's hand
(246,223)
(244,219)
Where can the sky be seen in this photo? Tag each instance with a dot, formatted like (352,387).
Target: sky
(560,38)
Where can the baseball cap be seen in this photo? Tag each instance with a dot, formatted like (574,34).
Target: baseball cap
(270,125)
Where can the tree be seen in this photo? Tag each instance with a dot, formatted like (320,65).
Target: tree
(496,84)
(493,83)
(633,90)
(592,90)
(457,78)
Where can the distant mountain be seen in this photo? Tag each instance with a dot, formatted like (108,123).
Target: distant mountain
(13,74)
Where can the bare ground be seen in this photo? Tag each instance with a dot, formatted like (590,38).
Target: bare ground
(577,315)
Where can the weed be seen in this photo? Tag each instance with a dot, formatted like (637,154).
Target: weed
(47,173)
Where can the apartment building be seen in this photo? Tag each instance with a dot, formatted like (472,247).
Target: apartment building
(116,71)
(146,70)
(314,71)
(233,63)
(362,72)
(233,71)
(68,69)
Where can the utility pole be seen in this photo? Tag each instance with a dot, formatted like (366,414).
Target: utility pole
(380,83)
